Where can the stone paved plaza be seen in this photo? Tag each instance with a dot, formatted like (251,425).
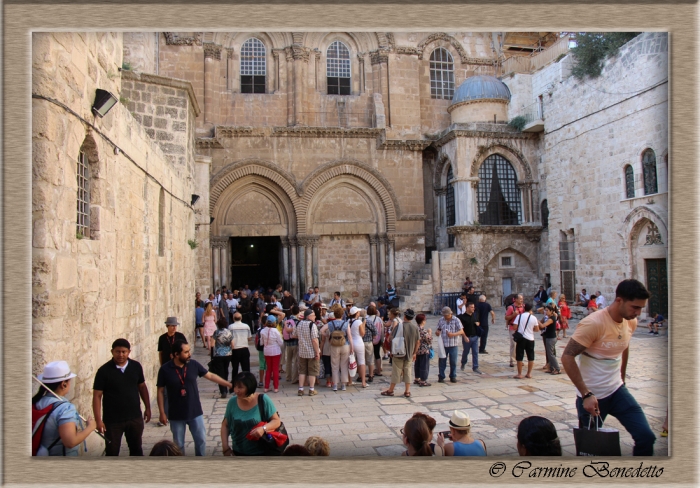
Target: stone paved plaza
(360,422)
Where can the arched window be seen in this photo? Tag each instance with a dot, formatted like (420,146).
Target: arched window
(338,69)
(83,175)
(498,197)
(442,77)
(450,206)
(253,66)
(161,223)
(649,171)
(629,181)
(544,213)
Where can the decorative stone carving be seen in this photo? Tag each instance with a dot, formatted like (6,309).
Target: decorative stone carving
(285,241)
(208,143)
(519,158)
(532,233)
(653,235)
(181,39)
(402,145)
(413,51)
(297,52)
(412,217)
(212,51)
(229,53)
(379,56)
(298,38)
(325,132)
(235,131)
(373,240)
(219,242)
(441,36)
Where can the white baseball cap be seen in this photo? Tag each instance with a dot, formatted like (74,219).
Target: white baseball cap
(354,310)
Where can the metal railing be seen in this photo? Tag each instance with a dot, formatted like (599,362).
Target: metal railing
(338,119)
(533,112)
(530,64)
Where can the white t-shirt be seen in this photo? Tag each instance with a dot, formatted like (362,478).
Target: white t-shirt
(241,333)
(600,301)
(461,306)
(355,331)
(232,304)
(525,323)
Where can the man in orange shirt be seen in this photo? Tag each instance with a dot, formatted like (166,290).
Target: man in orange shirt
(602,341)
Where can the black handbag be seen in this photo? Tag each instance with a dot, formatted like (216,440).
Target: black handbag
(598,442)
(517,336)
(271,447)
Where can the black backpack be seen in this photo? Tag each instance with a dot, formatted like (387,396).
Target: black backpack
(258,340)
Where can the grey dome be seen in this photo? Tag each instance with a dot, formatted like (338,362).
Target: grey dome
(481,88)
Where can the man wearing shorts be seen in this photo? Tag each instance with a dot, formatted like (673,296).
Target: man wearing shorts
(306,333)
(511,312)
(602,341)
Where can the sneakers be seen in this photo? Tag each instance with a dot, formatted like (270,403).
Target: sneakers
(441,380)
(300,392)
(477,371)
(160,424)
(463,366)
(385,358)
(260,384)
(453,380)
(483,352)
(343,388)
(656,333)
(335,387)
(313,392)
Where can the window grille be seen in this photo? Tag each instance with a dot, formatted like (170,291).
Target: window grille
(649,170)
(450,206)
(506,261)
(567,265)
(498,197)
(629,181)
(253,66)
(161,223)
(544,214)
(83,175)
(338,69)
(442,78)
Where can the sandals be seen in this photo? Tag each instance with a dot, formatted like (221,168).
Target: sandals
(556,371)
(424,383)
(387,393)
(407,394)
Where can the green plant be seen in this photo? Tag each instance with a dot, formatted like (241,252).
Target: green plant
(193,243)
(518,122)
(126,66)
(592,48)
(473,261)
(560,57)
(79,235)
(123,100)
(476,223)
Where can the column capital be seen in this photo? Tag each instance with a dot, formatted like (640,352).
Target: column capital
(440,191)
(212,51)
(391,239)
(297,52)
(219,242)
(285,241)
(302,240)
(383,238)
(312,240)
(373,239)
(229,53)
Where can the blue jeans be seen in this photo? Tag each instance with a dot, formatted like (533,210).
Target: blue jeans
(442,363)
(624,408)
(473,344)
(197,429)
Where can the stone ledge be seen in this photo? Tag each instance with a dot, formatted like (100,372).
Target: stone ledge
(165,81)
(533,233)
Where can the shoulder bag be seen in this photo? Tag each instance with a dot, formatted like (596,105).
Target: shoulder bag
(398,344)
(275,444)
(517,335)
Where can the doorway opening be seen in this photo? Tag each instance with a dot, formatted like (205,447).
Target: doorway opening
(657,284)
(255,261)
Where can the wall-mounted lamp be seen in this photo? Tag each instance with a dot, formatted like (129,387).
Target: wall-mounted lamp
(211,220)
(104,101)
(194,199)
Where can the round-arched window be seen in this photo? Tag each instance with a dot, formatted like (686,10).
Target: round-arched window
(498,196)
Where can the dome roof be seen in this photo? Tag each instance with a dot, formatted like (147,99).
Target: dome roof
(481,88)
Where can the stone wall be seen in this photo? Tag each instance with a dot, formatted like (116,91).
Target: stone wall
(344,266)
(135,268)
(141,51)
(588,144)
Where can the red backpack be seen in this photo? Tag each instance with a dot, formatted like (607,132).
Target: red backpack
(39,418)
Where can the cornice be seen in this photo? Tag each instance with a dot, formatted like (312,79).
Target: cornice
(173,39)
(165,81)
(480,100)
(402,145)
(221,131)
(412,217)
(531,232)
(208,143)
(360,132)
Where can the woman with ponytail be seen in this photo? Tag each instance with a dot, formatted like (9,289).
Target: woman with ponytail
(538,437)
(416,437)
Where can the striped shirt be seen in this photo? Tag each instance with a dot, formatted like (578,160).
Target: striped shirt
(454,325)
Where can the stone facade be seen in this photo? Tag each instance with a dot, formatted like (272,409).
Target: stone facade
(133,267)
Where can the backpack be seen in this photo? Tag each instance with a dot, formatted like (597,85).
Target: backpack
(39,418)
(380,332)
(337,337)
(258,340)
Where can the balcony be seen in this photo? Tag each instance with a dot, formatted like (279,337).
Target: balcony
(534,117)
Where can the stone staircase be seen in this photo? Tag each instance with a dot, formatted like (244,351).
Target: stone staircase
(417,291)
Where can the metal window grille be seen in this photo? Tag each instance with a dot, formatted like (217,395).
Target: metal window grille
(629,181)
(567,265)
(161,223)
(442,78)
(450,206)
(649,169)
(83,200)
(506,261)
(338,69)
(498,197)
(253,66)
(544,214)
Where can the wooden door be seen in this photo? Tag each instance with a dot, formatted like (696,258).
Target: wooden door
(657,284)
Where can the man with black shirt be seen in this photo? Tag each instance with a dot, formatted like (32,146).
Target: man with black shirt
(540,297)
(116,390)
(165,344)
(470,340)
(179,378)
(287,301)
(245,307)
(483,310)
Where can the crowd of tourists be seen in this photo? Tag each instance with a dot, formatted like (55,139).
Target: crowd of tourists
(340,345)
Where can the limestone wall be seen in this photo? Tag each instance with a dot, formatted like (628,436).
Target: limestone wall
(588,144)
(343,265)
(130,272)
(141,51)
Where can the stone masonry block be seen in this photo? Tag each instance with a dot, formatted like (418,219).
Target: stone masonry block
(177,102)
(160,123)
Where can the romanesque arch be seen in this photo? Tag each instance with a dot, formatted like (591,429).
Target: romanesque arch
(441,168)
(511,153)
(424,47)
(509,249)
(357,169)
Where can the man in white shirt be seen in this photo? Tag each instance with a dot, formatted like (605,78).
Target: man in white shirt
(600,301)
(582,298)
(240,354)
(527,324)
(462,303)
(232,305)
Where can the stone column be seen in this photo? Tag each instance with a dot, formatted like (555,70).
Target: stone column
(216,264)
(314,260)
(225,266)
(526,201)
(204,279)
(373,240)
(391,241)
(218,253)
(289,58)
(294,274)
(382,263)
(462,190)
(286,282)
(212,73)
(472,208)
(230,69)
(301,247)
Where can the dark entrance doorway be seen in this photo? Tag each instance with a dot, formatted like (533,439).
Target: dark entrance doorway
(657,284)
(255,261)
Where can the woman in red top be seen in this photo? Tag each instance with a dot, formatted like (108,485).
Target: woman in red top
(565,315)
(592,305)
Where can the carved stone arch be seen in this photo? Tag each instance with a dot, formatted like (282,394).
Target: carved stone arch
(511,153)
(360,170)
(493,255)
(441,36)
(634,224)
(234,40)
(369,196)
(270,192)
(385,40)
(236,170)
(631,224)
(440,174)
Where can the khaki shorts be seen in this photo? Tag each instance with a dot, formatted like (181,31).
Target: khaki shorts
(401,366)
(309,366)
